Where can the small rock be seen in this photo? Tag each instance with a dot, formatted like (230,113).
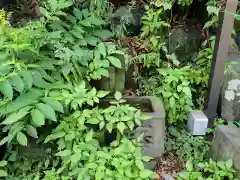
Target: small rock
(167,177)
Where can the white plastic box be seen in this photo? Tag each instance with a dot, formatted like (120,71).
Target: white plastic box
(197,123)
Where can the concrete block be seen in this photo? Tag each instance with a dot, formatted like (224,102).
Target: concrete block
(226,145)
(197,123)
(153,128)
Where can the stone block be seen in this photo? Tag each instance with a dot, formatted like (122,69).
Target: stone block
(153,128)
(226,145)
(230,94)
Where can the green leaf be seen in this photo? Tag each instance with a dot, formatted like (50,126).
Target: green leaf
(102,94)
(38,80)
(189,166)
(15,117)
(130,124)
(3,163)
(66,69)
(93,41)
(145,116)
(44,74)
(6,89)
(102,49)
(187,91)
(109,127)
(229,163)
(44,12)
(93,121)
(22,139)
(99,174)
(77,13)
(32,131)
(3,173)
(237,17)
(89,136)
(201,165)
(167,6)
(146,158)
(212,10)
(27,78)
(115,61)
(145,173)
(101,125)
(174,60)
(63,153)
(139,164)
(47,111)
(172,102)
(184,175)
(121,126)
(118,95)
(17,83)
(25,99)
(103,72)
(103,34)
(5,139)
(96,20)
(56,105)
(221,164)
(54,136)
(92,165)
(38,117)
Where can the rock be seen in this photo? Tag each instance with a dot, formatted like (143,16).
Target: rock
(230,97)
(185,41)
(167,177)
(154,128)
(226,145)
(128,17)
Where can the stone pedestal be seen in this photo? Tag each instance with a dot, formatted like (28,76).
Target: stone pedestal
(153,128)
(226,145)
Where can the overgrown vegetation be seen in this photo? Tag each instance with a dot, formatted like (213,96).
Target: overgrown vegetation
(47,101)
(182,85)
(53,125)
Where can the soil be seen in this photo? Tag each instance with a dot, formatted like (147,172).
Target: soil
(168,165)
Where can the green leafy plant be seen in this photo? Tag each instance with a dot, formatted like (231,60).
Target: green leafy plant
(186,146)
(213,9)
(3,172)
(47,99)
(78,143)
(189,173)
(218,170)
(208,170)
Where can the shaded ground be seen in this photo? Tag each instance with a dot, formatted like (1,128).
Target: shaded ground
(168,165)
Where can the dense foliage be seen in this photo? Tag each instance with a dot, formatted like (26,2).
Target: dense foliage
(177,83)
(53,125)
(48,105)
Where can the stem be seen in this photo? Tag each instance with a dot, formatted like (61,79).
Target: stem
(118,136)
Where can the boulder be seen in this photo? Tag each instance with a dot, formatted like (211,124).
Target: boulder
(226,145)
(184,42)
(230,94)
(129,18)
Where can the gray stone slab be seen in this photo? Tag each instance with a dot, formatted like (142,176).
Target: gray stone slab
(230,97)
(226,145)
